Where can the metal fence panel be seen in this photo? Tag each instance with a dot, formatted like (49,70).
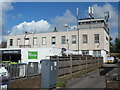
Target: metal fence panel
(23,70)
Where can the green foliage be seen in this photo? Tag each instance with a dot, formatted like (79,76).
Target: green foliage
(115,47)
(112,47)
(60,84)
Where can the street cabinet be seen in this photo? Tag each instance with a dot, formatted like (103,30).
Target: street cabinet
(48,73)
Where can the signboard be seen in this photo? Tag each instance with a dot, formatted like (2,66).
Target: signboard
(32,55)
(11,51)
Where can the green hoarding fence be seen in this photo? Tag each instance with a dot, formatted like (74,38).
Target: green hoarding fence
(32,55)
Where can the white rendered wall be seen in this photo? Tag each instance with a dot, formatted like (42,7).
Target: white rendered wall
(103,54)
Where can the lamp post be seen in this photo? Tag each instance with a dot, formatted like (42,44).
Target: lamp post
(67,40)
(33,37)
(77,12)
(25,37)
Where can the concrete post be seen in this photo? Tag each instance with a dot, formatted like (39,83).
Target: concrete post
(71,64)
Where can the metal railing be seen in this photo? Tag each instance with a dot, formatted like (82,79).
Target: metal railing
(24,46)
(23,70)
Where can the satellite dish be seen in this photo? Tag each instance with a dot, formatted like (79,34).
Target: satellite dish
(66,25)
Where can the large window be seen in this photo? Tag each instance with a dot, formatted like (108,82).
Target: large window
(11,42)
(53,41)
(43,40)
(73,39)
(97,53)
(27,41)
(85,52)
(35,40)
(85,39)
(63,39)
(18,41)
(96,37)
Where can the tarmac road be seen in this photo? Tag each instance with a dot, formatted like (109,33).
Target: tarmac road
(95,79)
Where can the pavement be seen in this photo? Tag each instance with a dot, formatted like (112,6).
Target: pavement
(90,80)
(94,79)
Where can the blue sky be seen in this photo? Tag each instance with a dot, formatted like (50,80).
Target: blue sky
(51,12)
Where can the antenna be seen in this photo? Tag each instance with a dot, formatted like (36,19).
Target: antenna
(107,15)
(77,12)
(90,12)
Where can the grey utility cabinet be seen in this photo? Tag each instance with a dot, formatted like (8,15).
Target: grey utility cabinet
(48,73)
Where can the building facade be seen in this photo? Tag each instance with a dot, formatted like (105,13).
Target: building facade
(92,37)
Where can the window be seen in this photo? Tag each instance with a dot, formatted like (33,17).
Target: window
(53,40)
(97,53)
(43,40)
(73,39)
(35,40)
(107,38)
(80,23)
(96,22)
(18,41)
(63,39)
(85,39)
(26,41)
(85,52)
(11,42)
(96,37)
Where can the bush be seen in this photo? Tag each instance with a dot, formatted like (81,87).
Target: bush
(60,84)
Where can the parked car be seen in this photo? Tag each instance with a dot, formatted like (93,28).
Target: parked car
(110,60)
(118,61)
(4,78)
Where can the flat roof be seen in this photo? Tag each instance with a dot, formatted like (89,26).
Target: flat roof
(90,19)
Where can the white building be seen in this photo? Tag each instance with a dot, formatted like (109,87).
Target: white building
(92,37)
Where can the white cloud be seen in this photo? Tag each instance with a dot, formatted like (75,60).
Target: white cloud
(4,7)
(66,18)
(99,12)
(44,26)
(38,26)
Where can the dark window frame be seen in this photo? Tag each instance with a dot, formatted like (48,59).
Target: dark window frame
(45,41)
(28,42)
(85,52)
(11,42)
(53,38)
(97,53)
(63,39)
(85,38)
(34,40)
(74,42)
(17,41)
(96,38)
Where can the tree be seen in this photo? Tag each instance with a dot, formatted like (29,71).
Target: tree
(117,45)
(55,29)
(111,46)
